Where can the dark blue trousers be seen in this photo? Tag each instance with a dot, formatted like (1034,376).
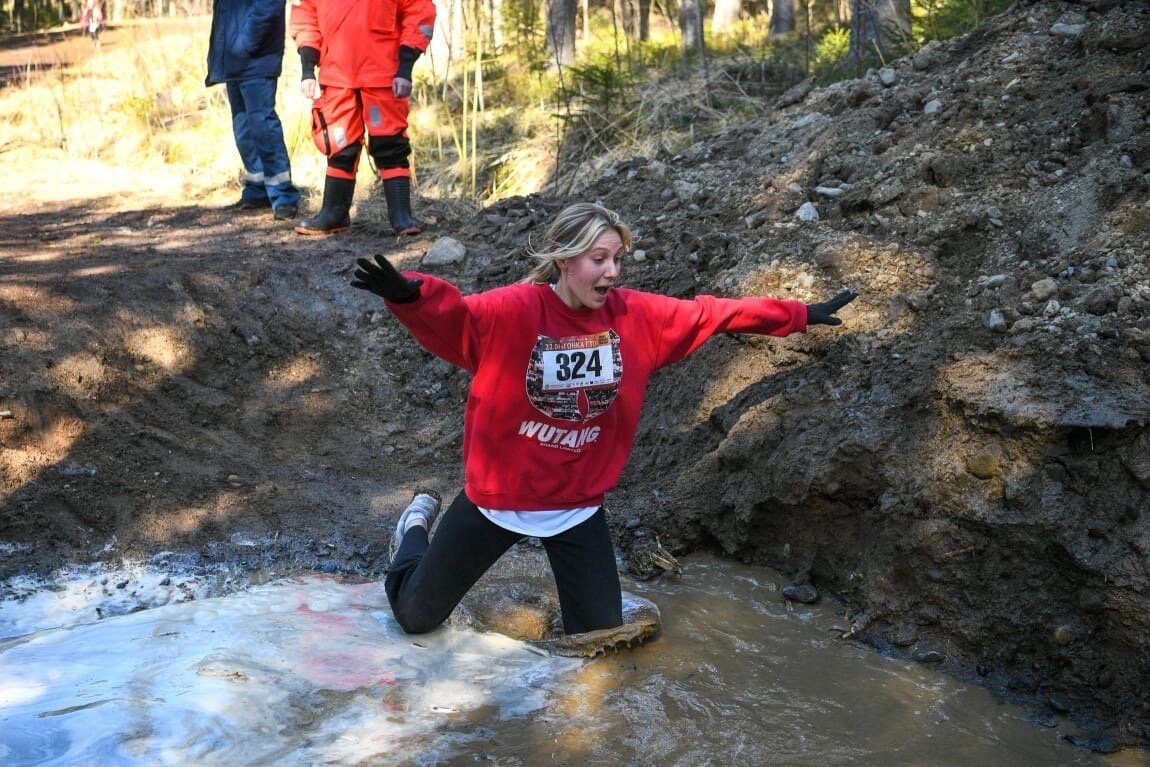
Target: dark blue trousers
(260,140)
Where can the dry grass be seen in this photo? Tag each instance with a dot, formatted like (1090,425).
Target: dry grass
(134,118)
(138,108)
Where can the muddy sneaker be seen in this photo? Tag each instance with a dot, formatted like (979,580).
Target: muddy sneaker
(424,505)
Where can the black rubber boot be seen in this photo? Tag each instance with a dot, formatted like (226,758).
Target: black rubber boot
(335,215)
(398,193)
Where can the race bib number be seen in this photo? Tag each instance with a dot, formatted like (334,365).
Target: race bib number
(575,378)
(577,363)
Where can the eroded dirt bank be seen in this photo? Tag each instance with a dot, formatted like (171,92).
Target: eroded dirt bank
(966,463)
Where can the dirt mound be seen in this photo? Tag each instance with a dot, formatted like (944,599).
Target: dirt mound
(964,463)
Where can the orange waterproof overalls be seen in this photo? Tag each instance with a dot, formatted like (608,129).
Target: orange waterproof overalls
(359,44)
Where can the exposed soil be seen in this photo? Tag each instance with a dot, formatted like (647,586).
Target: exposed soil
(965,464)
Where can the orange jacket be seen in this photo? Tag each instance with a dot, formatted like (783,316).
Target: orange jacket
(359,40)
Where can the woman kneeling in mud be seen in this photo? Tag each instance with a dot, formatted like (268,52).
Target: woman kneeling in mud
(560,365)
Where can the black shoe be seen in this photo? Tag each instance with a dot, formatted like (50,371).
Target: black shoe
(284,212)
(248,205)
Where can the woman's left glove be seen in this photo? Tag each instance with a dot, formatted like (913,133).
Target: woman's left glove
(824,313)
(385,281)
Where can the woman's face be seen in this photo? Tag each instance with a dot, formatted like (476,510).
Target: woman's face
(585,279)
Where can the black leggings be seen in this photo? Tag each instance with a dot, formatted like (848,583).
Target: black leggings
(427,580)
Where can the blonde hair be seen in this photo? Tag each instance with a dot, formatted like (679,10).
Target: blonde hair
(571,234)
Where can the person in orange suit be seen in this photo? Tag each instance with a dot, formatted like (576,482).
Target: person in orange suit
(365,51)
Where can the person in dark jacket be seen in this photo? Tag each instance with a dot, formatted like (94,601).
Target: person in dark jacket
(246,54)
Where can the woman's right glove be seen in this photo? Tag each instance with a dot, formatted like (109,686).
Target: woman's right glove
(824,313)
(385,281)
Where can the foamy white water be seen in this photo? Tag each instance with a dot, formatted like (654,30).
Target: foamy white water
(302,673)
(83,594)
(146,665)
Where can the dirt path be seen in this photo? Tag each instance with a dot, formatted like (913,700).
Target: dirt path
(21,56)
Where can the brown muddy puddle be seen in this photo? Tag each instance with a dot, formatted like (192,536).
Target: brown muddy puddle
(315,671)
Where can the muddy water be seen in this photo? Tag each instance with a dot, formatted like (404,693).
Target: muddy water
(314,671)
(741,677)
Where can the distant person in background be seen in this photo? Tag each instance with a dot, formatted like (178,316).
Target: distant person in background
(246,54)
(365,50)
(92,21)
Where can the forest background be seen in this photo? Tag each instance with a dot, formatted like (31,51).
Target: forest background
(513,97)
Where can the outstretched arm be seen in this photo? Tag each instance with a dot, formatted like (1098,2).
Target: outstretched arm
(434,310)
(383,279)
(824,313)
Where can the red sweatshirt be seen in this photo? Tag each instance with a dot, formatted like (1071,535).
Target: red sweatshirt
(555,400)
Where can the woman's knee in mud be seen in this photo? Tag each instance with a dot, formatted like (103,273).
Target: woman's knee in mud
(416,622)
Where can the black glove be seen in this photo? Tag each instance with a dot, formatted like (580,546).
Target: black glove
(385,281)
(824,313)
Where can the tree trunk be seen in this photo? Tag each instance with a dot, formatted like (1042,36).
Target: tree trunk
(842,11)
(561,30)
(449,41)
(726,15)
(690,27)
(494,24)
(627,12)
(878,27)
(782,18)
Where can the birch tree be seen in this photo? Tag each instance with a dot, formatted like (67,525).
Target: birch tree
(448,43)
(691,27)
(726,15)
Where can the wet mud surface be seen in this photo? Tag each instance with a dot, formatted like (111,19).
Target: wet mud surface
(964,465)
